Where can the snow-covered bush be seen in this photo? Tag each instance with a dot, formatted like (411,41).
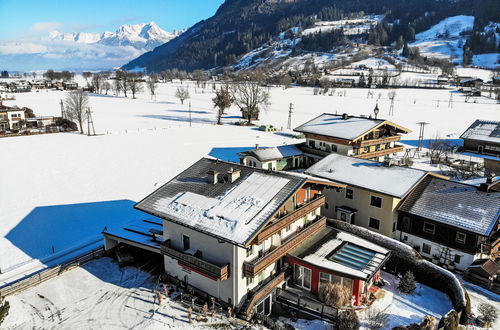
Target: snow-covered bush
(348,320)
(488,312)
(377,319)
(334,295)
(4,309)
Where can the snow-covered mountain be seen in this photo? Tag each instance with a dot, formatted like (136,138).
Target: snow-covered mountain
(82,50)
(140,36)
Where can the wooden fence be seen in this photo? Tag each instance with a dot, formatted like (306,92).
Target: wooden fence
(48,273)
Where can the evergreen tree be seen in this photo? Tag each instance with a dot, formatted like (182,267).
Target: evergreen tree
(4,309)
(406,50)
(407,284)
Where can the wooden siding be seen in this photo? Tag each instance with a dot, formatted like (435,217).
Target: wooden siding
(254,267)
(372,142)
(380,153)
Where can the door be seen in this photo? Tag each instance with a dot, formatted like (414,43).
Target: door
(303,277)
(185,242)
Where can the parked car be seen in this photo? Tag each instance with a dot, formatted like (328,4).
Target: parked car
(124,256)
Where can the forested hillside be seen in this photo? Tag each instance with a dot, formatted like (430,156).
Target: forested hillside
(242,25)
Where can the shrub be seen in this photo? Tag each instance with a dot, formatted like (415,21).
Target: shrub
(488,312)
(407,284)
(348,320)
(377,319)
(334,295)
(4,309)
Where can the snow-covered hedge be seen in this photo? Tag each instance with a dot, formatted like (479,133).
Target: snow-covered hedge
(404,257)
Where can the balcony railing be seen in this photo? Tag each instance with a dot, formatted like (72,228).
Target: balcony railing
(258,293)
(380,153)
(315,151)
(372,142)
(254,267)
(197,264)
(285,220)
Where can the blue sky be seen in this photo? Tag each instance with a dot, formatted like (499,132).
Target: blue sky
(35,18)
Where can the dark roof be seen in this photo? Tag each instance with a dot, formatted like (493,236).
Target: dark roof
(483,130)
(488,265)
(455,204)
(266,192)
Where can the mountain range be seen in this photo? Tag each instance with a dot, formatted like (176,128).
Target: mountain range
(79,51)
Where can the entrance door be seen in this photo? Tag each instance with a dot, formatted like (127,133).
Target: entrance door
(302,277)
(185,242)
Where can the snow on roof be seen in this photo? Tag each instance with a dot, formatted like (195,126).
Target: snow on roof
(334,126)
(389,180)
(483,130)
(231,211)
(343,253)
(266,154)
(455,204)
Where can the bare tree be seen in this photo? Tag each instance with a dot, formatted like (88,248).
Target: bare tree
(106,86)
(76,104)
(222,101)
(182,94)
(377,319)
(134,83)
(438,149)
(117,86)
(97,81)
(33,74)
(248,96)
(87,75)
(198,76)
(489,313)
(152,83)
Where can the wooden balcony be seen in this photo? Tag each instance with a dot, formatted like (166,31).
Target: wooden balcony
(280,223)
(254,267)
(380,153)
(372,142)
(197,264)
(259,293)
(315,151)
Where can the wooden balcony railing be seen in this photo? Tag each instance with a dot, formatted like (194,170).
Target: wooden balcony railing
(285,220)
(254,267)
(257,294)
(198,264)
(383,140)
(380,153)
(315,151)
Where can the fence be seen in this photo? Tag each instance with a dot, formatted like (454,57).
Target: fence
(46,274)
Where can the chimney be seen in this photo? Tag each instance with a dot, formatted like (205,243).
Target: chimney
(256,146)
(213,177)
(485,186)
(233,175)
(345,116)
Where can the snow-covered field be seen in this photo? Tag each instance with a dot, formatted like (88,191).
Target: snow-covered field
(99,295)
(63,189)
(406,309)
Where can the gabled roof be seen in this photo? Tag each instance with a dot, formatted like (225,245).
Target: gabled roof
(488,265)
(343,253)
(280,152)
(483,130)
(395,181)
(344,127)
(455,204)
(233,212)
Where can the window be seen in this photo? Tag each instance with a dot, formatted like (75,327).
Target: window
(185,242)
(374,223)
(261,277)
(270,166)
(456,259)
(343,216)
(312,143)
(460,237)
(426,248)
(349,193)
(288,228)
(429,228)
(366,149)
(393,227)
(326,206)
(249,250)
(249,281)
(376,201)
(302,276)
(405,238)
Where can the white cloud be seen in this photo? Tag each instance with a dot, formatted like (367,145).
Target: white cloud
(22,48)
(44,27)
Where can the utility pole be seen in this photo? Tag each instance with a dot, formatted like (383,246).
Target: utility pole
(421,134)
(90,122)
(189,113)
(450,102)
(289,126)
(391,108)
(62,109)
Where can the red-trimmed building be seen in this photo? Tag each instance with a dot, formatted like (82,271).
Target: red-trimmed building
(339,257)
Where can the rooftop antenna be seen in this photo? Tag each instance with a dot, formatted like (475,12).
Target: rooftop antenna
(421,134)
